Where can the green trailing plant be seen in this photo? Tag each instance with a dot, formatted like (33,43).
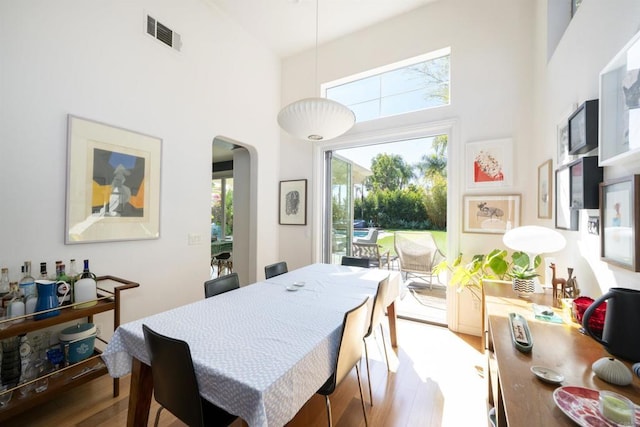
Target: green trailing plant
(496,265)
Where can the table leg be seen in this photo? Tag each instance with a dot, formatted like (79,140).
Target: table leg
(140,393)
(391,314)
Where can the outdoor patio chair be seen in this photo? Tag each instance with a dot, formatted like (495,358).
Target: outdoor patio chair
(371,251)
(418,254)
(371,237)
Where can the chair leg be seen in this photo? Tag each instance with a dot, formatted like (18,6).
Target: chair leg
(364,411)
(326,398)
(384,346)
(158,416)
(366,356)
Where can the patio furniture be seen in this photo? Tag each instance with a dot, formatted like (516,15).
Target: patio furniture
(371,251)
(418,254)
(371,237)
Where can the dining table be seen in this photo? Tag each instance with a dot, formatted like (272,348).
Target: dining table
(260,351)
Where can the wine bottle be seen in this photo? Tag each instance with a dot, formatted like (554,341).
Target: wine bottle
(85,289)
(43,271)
(73,277)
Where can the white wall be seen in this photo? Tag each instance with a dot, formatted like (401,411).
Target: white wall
(94,60)
(594,36)
(491,93)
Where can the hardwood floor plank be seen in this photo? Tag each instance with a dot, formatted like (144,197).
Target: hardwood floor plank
(434,381)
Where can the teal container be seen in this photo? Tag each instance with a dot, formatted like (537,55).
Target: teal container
(77,342)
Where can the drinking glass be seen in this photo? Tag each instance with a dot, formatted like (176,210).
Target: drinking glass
(5,396)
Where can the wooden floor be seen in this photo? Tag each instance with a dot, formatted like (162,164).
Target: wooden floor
(436,380)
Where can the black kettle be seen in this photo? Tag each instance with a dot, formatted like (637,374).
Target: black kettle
(621,333)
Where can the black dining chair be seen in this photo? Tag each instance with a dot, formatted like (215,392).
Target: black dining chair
(276,269)
(175,386)
(221,284)
(377,314)
(349,355)
(353,261)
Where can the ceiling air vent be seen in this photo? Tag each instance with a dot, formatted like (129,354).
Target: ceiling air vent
(163,33)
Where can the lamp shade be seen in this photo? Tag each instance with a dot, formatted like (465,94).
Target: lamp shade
(534,239)
(316,119)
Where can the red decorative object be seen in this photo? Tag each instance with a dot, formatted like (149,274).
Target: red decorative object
(596,322)
(480,175)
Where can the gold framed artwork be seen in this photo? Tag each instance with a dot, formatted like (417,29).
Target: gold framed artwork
(493,214)
(544,189)
(113,183)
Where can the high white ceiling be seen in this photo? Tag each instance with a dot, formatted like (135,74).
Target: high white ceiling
(288,27)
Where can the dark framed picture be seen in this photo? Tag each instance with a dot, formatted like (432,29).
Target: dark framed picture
(583,128)
(293,202)
(619,209)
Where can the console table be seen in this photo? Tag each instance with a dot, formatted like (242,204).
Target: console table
(519,397)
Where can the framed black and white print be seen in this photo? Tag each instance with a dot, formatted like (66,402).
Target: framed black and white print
(293,202)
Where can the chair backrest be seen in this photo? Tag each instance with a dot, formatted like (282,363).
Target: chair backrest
(355,262)
(221,284)
(417,251)
(276,269)
(174,380)
(350,348)
(371,237)
(377,312)
(365,250)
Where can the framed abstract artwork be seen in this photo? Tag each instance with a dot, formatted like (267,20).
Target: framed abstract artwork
(494,214)
(113,183)
(544,189)
(489,163)
(293,202)
(620,219)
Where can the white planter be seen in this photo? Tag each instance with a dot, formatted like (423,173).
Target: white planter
(524,288)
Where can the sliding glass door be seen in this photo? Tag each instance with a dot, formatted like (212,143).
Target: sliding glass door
(339,212)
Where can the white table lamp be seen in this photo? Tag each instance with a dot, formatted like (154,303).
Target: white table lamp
(534,240)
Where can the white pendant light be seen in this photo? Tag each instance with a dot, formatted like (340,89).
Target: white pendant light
(316,119)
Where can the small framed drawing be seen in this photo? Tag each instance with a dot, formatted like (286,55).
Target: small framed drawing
(620,106)
(562,134)
(493,214)
(489,163)
(113,183)
(293,202)
(544,189)
(619,214)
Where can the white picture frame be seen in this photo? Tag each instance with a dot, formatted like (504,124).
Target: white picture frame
(489,164)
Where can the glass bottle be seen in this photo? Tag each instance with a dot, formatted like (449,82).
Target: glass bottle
(73,276)
(4,282)
(85,288)
(43,271)
(27,283)
(64,288)
(15,302)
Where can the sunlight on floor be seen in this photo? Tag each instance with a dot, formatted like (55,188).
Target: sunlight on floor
(452,364)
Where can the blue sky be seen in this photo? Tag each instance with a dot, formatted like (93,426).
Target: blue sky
(411,150)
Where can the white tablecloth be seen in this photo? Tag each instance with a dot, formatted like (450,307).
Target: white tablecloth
(260,352)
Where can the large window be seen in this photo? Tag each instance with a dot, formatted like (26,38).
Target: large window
(415,84)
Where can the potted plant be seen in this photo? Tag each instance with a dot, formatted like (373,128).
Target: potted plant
(522,276)
(496,265)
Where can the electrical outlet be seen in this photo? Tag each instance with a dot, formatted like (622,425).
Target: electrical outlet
(98,329)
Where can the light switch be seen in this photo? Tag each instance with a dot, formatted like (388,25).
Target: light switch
(194,239)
